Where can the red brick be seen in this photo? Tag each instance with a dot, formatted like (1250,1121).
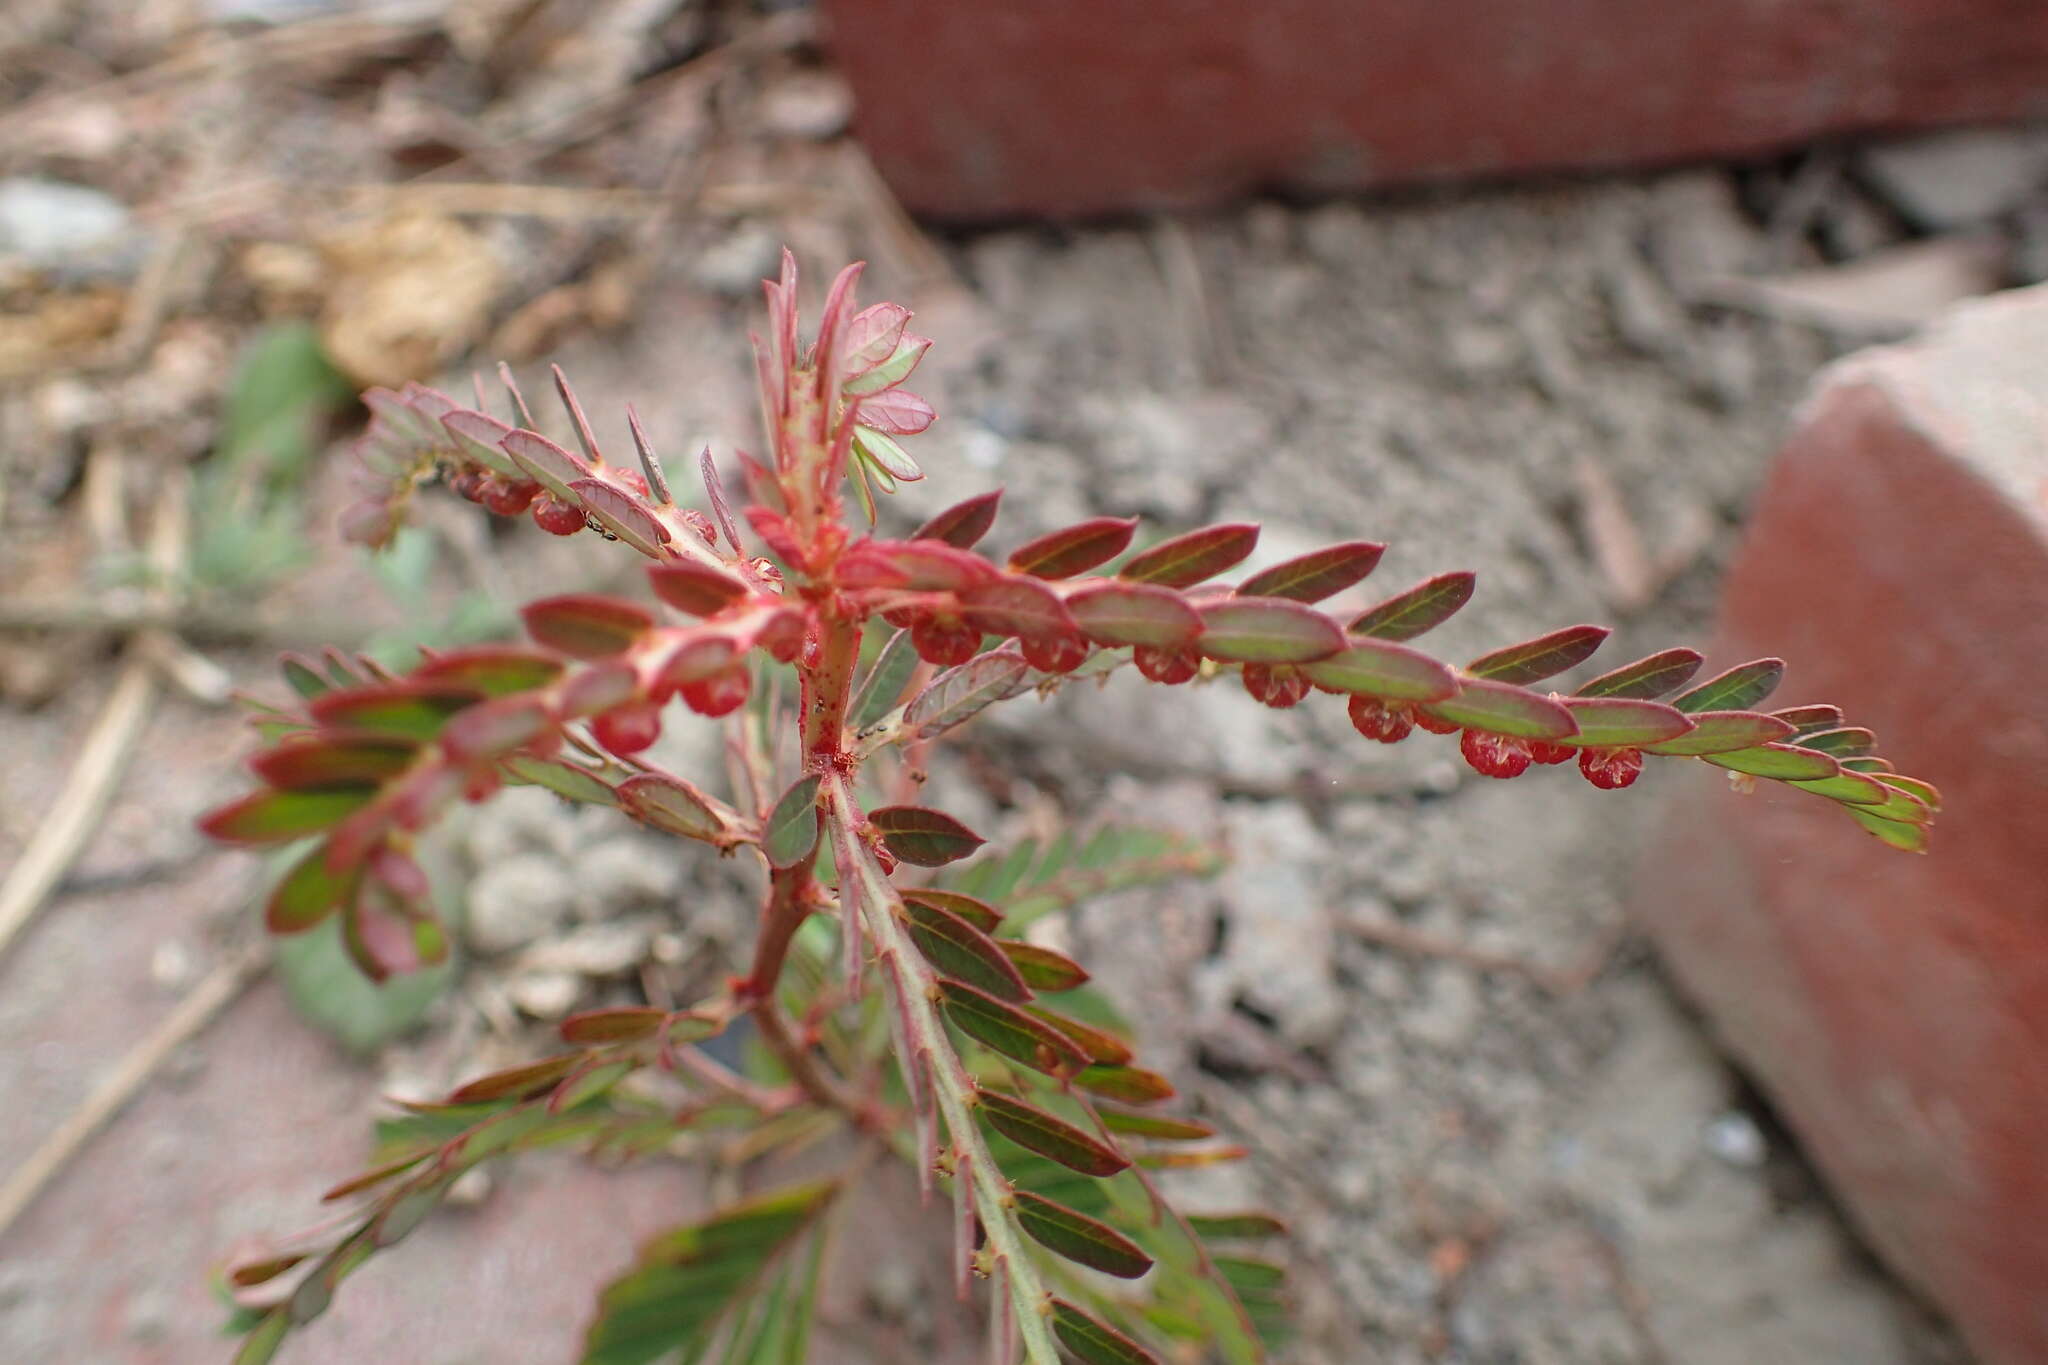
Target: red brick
(1896,1008)
(1071,107)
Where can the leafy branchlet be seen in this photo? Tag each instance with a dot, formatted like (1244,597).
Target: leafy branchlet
(904,1008)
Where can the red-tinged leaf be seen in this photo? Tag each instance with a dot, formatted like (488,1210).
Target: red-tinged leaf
(912,565)
(1739,689)
(1855,789)
(1895,834)
(1267,630)
(1540,658)
(921,835)
(1900,803)
(963,952)
(1236,1227)
(630,1024)
(249,1274)
(277,817)
(978,913)
(883,453)
(1042,968)
(1074,549)
(1188,559)
(1646,679)
(1102,1049)
(671,804)
(1423,607)
(1037,1131)
(331,759)
(1623,722)
(1924,792)
(1080,1238)
(587,1082)
(704,654)
(1111,612)
(1780,762)
(623,514)
(792,829)
(871,336)
(518,1082)
(1250,1275)
(1847,741)
(481,437)
(586,625)
(1868,763)
(385,942)
(1094,1341)
(1023,607)
(1010,1031)
(1317,574)
(1194,1159)
(554,468)
(598,688)
(1504,709)
(896,413)
(1129,1084)
(1717,732)
(495,728)
(1378,668)
(309,893)
(494,670)
(909,350)
(960,693)
(1804,719)
(694,587)
(964,523)
(370,1179)
(410,710)
(1156,1127)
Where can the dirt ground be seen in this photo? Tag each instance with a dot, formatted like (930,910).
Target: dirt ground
(1414,992)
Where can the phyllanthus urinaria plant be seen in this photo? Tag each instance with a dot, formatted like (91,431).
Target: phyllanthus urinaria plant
(891,1001)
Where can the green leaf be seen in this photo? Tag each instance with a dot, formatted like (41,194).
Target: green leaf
(1080,1238)
(1778,761)
(978,913)
(276,817)
(1378,668)
(878,691)
(1102,1047)
(1112,612)
(1042,968)
(309,893)
(1853,788)
(1848,741)
(1266,630)
(303,678)
(1235,1227)
(1037,1131)
(792,830)
(1249,1275)
(1716,732)
(570,781)
(1901,803)
(1504,709)
(1738,689)
(1317,574)
(1616,722)
(1894,833)
(960,693)
(328,991)
(1540,658)
(884,453)
(921,835)
(668,803)
(587,625)
(260,1346)
(1646,679)
(964,523)
(687,1279)
(1807,719)
(494,670)
(1010,1031)
(1926,793)
(1094,1341)
(517,1082)
(1074,549)
(1157,1127)
(963,952)
(892,371)
(623,1025)
(1186,560)
(1423,607)
(410,710)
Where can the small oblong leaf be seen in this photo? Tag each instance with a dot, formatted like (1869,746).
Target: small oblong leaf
(1738,689)
(921,835)
(963,952)
(1504,709)
(964,523)
(1901,804)
(1780,762)
(1112,612)
(1101,1048)
(587,625)
(334,760)
(1042,968)
(912,565)
(1616,722)
(1317,574)
(1423,607)
(1010,1031)
(1804,719)
(1266,630)
(1074,549)
(978,913)
(1037,1131)
(1717,732)
(792,830)
(692,586)
(1236,1227)
(1095,1341)
(494,728)
(1186,560)
(1022,607)
(628,1024)
(960,693)
(309,893)
(566,780)
(1545,656)
(1852,788)
(548,464)
(1896,834)
(623,514)
(494,670)
(517,1082)
(1846,741)
(884,682)
(1080,1238)
(1129,1084)
(277,817)
(413,710)
(670,804)
(1648,678)
(1924,792)
(1156,1126)
(1379,668)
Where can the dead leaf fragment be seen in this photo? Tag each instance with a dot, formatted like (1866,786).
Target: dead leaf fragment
(409,294)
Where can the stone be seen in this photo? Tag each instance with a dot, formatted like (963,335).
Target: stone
(516,900)
(1957,179)
(1278,952)
(55,225)
(1046,114)
(1892,1006)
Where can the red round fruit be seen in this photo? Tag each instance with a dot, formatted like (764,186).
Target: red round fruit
(556,518)
(632,480)
(906,618)
(1277,685)
(481,785)
(628,729)
(944,642)
(1543,751)
(1385,722)
(1611,769)
(1495,755)
(1167,663)
(1055,653)
(468,483)
(1436,725)
(718,695)
(509,497)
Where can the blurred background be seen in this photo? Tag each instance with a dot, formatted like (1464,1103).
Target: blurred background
(1538,1074)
